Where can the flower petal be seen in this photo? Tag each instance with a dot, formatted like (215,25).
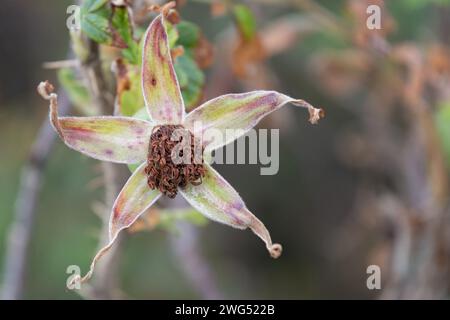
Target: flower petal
(218,201)
(134,199)
(121,140)
(115,139)
(160,86)
(239,111)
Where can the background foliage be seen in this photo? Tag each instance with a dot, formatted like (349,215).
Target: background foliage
(317,206)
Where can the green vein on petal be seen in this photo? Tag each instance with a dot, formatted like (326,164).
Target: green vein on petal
(219,201)
(239,111)
(159,82)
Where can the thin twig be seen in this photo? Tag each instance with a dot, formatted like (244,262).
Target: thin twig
(61,64)
(26,203)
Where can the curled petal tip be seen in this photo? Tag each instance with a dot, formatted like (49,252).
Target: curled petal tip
(45,89)
(261,231)
(107,138)
(216,199)
(97,257)
(167,7)
(164,10)
(240,111)
(132,201)
(315,114)
(75,282)
(275,250)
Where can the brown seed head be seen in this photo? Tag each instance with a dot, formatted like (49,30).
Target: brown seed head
(162,173)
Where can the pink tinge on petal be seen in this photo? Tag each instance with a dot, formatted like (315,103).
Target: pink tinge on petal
(217,200)
(237,111)
(108,138)
(132,201)
(160,86)
(115,139)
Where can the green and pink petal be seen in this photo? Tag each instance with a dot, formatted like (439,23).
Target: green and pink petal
(134,199)
(160,86)
(239,111)
(217,200)
(107,138)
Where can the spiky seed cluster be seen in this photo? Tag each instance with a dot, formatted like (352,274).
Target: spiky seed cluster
(162,173)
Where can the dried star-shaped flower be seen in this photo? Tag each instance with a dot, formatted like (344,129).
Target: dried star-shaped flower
(134,141)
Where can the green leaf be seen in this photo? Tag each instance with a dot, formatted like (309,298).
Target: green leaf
(121,23)
(183,77)
(191,96)
(132,53)
(94,20)
(245,21)
(191,79)
(172,34)
(132,100)
(188,34)
(442,119)
(123,34)
(93,5)
(110,26)
(96,26)
(78,93)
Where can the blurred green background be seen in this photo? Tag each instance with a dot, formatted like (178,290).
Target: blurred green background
(311,206)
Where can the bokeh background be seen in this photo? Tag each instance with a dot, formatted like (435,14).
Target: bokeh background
(367,186)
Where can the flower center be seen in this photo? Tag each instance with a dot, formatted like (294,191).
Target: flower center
(174,160)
